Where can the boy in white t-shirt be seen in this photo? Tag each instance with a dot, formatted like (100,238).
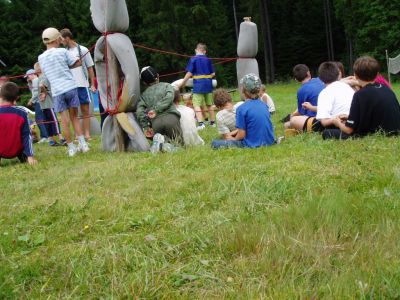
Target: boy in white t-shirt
(188,122)
(56,63)
(226,117)
(336,98)
(81,75)
(267,99)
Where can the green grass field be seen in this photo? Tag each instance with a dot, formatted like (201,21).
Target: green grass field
(307,219)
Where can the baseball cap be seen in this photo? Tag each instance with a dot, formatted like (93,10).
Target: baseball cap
(50,35)
(148,74)
(251,83)
(29,72)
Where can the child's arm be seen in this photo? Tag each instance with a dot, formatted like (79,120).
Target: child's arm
(141,114)
(309,106)
(185,79)
(230,135)
(241,134)
(27,142)
(268,100)
(338,122)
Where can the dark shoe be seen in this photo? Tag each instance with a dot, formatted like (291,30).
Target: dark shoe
(285,119)
(63,142)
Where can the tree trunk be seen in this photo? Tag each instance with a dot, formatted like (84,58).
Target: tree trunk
(268,52)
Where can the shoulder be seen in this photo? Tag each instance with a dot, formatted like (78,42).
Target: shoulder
(238,104)
(83,48)
(60,50)
(20,111)
(165,85)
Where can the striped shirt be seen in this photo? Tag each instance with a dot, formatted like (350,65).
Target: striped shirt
(55,63)
(226,119)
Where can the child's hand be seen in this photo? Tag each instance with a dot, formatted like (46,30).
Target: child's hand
(306,105)
(42,97)
(151,114)
(343,117)
(149,133)
(32,161)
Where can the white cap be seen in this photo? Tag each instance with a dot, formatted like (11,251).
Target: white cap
(50,35)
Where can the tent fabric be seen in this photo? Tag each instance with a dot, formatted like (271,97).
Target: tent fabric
(248,40)
(110,15)
(122,65)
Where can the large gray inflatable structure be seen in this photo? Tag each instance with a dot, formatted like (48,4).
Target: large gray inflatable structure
(247,49)
(118,77)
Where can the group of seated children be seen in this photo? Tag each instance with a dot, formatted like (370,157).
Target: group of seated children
(342,107)
(335,106)
(245,124)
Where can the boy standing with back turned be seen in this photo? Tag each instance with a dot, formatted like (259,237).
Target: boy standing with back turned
(202,71)
(56,63)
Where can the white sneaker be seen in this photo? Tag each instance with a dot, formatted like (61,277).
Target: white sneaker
(201,127)
(158,141)
(83,148)
(43,140)
(72,150)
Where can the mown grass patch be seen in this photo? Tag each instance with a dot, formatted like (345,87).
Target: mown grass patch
(304,219)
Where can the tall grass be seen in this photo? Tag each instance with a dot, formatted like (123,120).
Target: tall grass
(305,219)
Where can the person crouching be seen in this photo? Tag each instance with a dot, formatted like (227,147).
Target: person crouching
(156,110)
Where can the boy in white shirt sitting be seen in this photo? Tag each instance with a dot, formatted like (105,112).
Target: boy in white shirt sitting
(226,117)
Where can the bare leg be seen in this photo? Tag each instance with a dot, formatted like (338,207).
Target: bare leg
(199,114)
(73,114)
(86,120)
(297,122)
(65,125)
(211,111)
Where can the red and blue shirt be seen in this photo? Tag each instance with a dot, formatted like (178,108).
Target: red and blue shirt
(15,134)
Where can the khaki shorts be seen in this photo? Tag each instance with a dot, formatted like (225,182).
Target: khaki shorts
(200,99)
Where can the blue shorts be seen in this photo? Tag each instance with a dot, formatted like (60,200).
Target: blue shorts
(65,101)
(83,94)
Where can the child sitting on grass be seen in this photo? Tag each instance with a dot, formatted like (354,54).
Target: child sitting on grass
(188,100)
(374,107)
(252,119)
(335,99)
(267,99)
(226,117)
(188,123)
(15,133)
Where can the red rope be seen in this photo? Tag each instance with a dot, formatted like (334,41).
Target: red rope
(105,34)
(181,55)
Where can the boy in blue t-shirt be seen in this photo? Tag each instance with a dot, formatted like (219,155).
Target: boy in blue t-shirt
(202,71)
(307,96)
(252,119)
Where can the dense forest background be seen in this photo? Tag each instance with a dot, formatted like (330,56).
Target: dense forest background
(299,31)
